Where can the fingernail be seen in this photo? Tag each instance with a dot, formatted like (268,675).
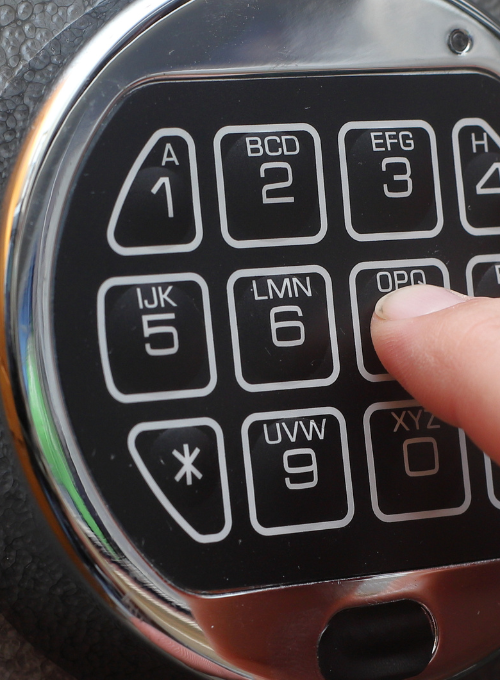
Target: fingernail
(412,301)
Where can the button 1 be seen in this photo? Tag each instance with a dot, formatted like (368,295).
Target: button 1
(270,185)
(476,148)
(368,282)
(390,180)
(389,641)
(283,328)
(155,337)
(483,276)
(297,471)
(158,207)
(417,464)
(184,465)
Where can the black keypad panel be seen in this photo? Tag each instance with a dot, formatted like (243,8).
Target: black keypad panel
(223,248)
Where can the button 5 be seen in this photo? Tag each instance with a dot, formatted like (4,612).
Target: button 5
(155,337)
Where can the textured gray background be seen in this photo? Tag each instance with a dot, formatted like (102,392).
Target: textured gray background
(36,40)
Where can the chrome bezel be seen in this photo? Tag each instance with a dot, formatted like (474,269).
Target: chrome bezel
(306,35)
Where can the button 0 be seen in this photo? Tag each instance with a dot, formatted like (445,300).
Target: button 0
(158,207)
(368,282)
(417,464)
(270,185)
(184,465)
(476,148)
(297,471)
(155,337)
(283,328)
(390,180)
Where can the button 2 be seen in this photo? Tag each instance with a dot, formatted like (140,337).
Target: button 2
(417,464)
(184,465)
(368,282)
(155,337)
(297,471)
(158,207)
(270,185)
(283,328)
(390,180)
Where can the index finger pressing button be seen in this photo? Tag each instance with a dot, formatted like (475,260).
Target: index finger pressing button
(368,282)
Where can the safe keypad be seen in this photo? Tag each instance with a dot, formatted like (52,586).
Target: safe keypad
(229,265)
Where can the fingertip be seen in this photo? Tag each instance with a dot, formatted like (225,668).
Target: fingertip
(414,301)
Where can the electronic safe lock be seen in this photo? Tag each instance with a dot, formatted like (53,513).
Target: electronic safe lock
(207,208)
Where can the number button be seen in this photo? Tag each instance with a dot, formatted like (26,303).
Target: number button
(483,276)
(297,471)
(476,147)
(155,337)
(270,185)
(183,462)
(283,328)
(390,180)
(158,207)
(417,464)
(368,282)
(492,481)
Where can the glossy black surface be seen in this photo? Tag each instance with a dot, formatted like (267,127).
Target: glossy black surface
(102,423)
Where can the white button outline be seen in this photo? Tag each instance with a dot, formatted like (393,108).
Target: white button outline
(483,259)
(117,208)
(161,497)
(233,322)
(406,454)
(103,344)
(384,125)
(422,514)
(297,528)
(488,464)
(386,264)
(470,122)
(478,259)
(272,242)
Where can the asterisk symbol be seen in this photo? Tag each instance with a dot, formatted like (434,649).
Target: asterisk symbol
(187,459)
